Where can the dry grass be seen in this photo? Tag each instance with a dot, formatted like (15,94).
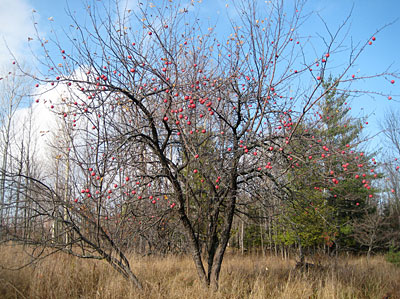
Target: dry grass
(61,276)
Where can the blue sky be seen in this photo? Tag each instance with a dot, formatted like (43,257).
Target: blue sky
(367,17)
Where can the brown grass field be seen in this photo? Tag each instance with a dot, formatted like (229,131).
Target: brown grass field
(242,276)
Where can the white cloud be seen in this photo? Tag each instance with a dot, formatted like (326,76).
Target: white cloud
(16,26)
(34,126)
(126,5)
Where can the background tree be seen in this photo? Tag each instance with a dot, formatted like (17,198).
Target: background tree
(14,88)
(390,128)
(352,190)
(329,192)
(372,230)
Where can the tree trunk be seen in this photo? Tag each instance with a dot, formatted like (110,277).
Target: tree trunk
(194,247)
(301,254)
(17,200)
(225,235)
(212,243)
(3,180)
(262,238)
(242,237)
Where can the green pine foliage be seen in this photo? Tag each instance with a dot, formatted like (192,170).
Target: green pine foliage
(393,257)
(332,183)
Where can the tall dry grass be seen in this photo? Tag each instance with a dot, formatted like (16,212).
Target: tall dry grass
(250,276)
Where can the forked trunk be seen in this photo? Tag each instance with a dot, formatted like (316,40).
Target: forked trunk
(224,239)
(194,248)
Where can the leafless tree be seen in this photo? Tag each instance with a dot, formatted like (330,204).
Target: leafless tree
(164,120)
(372,230)
(391,130)
(14,88)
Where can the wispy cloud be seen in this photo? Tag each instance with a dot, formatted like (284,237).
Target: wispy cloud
(16,27)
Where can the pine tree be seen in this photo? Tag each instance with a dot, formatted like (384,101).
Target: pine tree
(334,188)
(350,174)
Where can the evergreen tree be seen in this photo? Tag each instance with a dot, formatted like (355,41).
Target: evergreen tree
(349,189)
(334,188)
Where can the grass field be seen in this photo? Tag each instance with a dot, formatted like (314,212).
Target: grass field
(249,276)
